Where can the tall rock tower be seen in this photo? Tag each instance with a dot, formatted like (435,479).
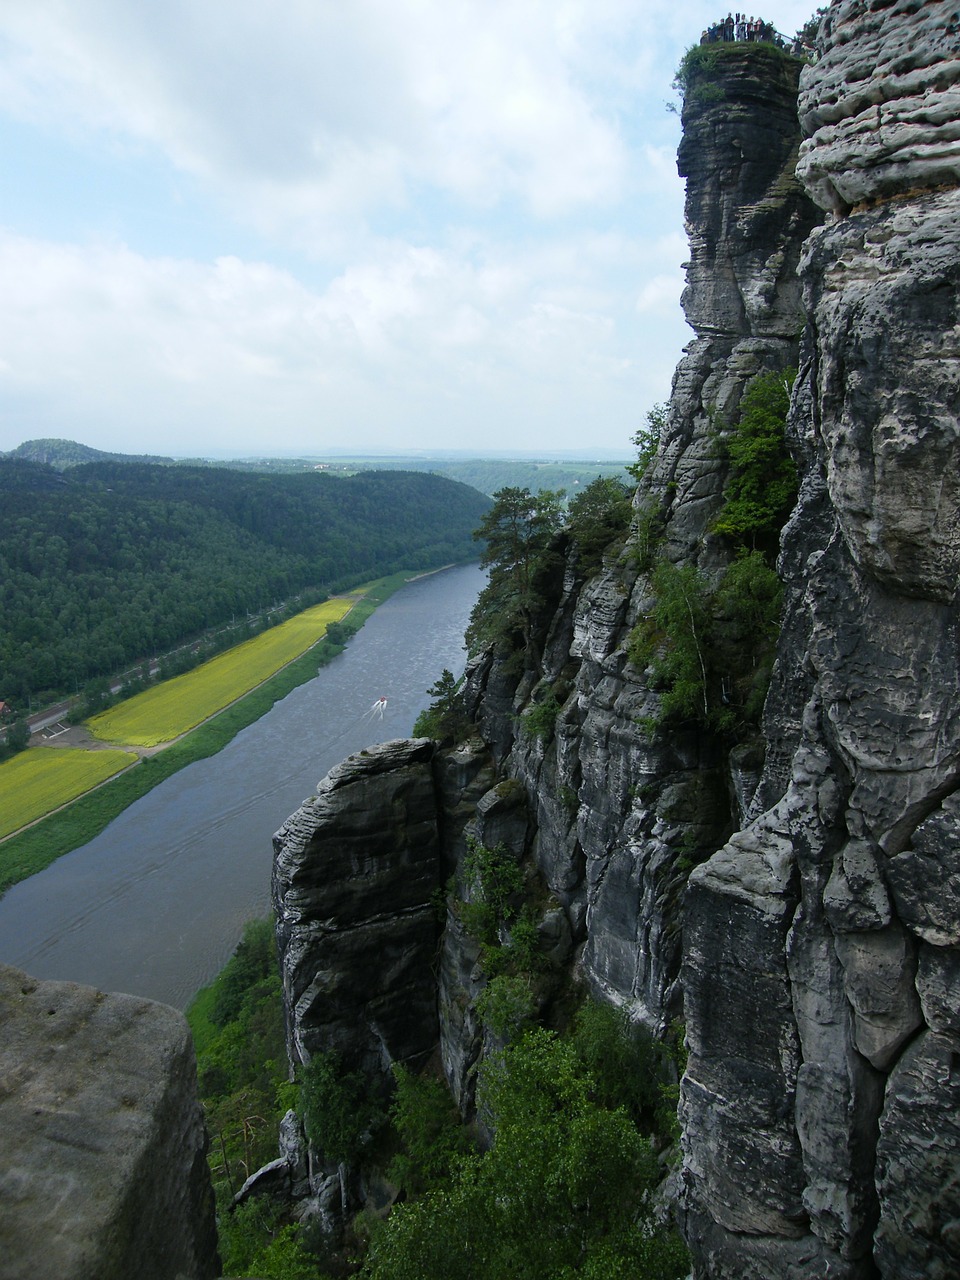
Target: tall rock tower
(821,1104)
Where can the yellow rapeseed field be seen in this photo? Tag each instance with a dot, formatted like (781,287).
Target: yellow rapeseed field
(35,782)
(164,712)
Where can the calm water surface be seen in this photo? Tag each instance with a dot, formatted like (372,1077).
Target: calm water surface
(157,902)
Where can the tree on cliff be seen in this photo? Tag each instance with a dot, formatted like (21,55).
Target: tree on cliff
(565,1190)
(598,515)
(762,488)
(445,718)
(518,530)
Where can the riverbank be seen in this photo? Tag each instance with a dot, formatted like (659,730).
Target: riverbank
(36,846)
(155,904)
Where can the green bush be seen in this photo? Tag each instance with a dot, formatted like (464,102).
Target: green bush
(596,518)
(696,78)
(624,1060)
(341,1114)
(428,1125)
(237,1025)
(254,960)
(494,876)
(256,1240)
(541,719)
(506,1005)
(762,487)
(648,534)
(565,1190)
(677,640)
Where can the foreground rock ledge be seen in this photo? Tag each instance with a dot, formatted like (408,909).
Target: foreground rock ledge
(102,1144)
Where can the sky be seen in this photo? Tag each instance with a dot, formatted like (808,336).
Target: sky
(234,228)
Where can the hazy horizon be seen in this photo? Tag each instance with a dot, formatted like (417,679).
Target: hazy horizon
(233,231)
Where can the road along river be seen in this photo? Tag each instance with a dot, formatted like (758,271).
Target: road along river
(156,903)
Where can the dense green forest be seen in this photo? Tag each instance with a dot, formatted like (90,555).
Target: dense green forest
(109,563)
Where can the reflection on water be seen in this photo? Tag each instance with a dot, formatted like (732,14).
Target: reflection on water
(156,903)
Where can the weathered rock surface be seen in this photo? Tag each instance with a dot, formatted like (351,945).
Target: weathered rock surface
(617,816)
(882,106)
(103,1171)
(819,964)
(355,870)
(833,916)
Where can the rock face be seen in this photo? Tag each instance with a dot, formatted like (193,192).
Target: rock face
(617,816)
(834,917)
(814,949)
(882,109)
(355,870)
(103,1171)
(357,875)
(746,217)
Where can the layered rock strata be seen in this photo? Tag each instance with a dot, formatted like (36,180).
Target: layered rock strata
(821,939)
(820,1102)
(357,878)
(617,815)
(103,1168)
(607,819)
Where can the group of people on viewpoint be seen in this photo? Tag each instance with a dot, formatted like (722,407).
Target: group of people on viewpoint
(740,27)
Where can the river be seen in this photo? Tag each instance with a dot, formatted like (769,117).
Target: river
(157,902)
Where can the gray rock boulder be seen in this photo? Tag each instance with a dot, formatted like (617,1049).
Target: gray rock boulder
(103,1171)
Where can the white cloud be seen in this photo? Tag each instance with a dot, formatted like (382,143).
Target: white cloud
(321,109)
(414,346)
(469,216)
(660,290)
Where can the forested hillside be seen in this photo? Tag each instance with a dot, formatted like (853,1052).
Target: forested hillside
(109,563)
(69,453)
(486,474)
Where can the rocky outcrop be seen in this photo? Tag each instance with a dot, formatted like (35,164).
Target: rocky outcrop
(103,1167)
(357,876)
(833,918)
(814,949)
(355,870)
(746,217)
(616,815)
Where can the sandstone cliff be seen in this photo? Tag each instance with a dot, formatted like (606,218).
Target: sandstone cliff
(814,949)
(820,1103)
(606,819)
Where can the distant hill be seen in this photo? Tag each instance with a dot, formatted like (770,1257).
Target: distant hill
(105,563)
(490,474)
(61,454)
(486,474)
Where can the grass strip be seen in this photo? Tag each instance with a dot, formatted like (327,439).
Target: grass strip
(165,711)
(28,780)
(32,850)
